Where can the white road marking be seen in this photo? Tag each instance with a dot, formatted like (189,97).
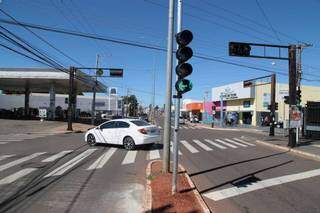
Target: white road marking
(10,140)
(215,144)
(21,160)
(103,159)
(179,152)
(154,154)
(235,142)
(235,191)
(2,157)
(56,156)
(245,142)
(159,127)
(189,146)
(130,157)
(16,176)
(191,127)
(225,143)
(316,145)
(68,165)
(202,145)
(1,143)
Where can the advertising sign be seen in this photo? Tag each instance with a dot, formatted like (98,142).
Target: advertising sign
(231,92)
(295,117)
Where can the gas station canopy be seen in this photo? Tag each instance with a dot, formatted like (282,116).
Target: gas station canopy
(42,79)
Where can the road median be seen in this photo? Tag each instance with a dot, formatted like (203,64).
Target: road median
(158,192)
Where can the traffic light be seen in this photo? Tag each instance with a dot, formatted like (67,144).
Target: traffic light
(183,69)
(276,106)
(116,73)
(239,49)
(286,99)
(269,107)
(247,84)
(298,97)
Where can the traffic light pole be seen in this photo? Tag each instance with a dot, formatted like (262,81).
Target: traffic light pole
(93,110)
(71,96)
(292,90)
(177,114)
(273,104)
(167,115)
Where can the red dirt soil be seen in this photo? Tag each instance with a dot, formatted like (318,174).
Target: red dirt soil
(163,200)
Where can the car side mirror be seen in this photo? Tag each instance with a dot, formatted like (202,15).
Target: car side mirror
(98,127)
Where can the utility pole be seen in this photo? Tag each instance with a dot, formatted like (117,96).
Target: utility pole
(177,113)
(93,110)
(221,110)
(292,90)
(167,116)
(273,104)
(71,97)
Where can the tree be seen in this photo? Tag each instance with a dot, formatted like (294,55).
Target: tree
(132,103)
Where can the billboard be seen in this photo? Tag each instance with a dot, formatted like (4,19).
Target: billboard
(232,92)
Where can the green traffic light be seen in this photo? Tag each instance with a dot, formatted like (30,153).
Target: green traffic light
(183,86)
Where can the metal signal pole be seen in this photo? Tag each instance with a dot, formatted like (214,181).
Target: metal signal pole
(93,109)
(71,97)
(292,90)
(167,115)
(273,104)
(177,114)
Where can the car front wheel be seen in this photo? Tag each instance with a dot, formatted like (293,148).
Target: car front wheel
(128,143)
(91,140)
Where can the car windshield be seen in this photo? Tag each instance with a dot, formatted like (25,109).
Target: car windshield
(140,123)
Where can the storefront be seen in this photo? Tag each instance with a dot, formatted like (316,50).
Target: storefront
(250,105)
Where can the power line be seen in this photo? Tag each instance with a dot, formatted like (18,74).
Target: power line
(42,39)
(268,21)
(135,44)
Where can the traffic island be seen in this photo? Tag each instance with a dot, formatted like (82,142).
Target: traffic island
(159,197)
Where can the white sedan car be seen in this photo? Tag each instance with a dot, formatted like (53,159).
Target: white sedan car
(126,132)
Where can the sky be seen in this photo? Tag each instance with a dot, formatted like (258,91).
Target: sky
(213,22)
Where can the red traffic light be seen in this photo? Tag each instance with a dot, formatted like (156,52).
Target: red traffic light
(184,37)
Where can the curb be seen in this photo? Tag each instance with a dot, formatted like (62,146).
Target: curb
(195,191)
(292,150)
(148,190)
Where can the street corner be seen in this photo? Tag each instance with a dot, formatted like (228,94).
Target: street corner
(159,197)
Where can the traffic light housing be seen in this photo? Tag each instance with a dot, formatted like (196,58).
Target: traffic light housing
(269,106)
(276,106)
(66,100)
(239,49)
(286,99)
(183,69)
(118,73)
(298,97)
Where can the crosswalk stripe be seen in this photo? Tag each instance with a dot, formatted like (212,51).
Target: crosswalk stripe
(179,152)
(1,143)
(235,142)
(103,159)
(189,146)
(202,145)
(130,157)
(316,145)
(242,141)
(225,143)
(16,176)
(68,165)
(154,154)
(159,127)
(21,160)
(56,156)
(191,127)
(10,140)
(2,157)
(215,144)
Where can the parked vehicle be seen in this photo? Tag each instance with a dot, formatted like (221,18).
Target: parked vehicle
(181,120)
(126,132)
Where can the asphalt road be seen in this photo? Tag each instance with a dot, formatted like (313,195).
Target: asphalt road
(60,173)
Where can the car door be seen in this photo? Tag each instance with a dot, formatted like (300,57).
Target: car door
(109,132)
(122,130)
